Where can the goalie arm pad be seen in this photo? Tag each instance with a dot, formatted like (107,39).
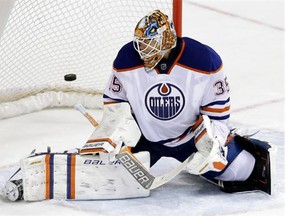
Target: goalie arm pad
(210,138)
(117,126)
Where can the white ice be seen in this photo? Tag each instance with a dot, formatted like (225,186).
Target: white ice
(249,36)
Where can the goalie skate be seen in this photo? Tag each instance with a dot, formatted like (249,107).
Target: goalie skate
(260,178)
(14,190)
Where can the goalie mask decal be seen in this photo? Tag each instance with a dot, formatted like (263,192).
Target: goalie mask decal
(154,36)
(164,101)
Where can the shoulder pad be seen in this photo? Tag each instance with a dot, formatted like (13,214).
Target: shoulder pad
(127,58)
(199,57)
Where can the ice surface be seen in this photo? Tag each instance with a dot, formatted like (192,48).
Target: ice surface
(249,36)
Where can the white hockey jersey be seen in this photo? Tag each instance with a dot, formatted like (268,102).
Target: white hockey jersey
(168,100)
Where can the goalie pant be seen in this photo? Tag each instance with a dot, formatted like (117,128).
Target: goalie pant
(77,177)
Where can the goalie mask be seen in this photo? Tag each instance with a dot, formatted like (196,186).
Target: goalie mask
(154,36)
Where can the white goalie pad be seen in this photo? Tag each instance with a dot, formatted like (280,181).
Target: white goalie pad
(117,126)
(79,177)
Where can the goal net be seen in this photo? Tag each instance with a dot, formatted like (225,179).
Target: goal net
(43,40)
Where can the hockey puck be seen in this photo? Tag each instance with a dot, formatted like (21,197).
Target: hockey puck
(70,77)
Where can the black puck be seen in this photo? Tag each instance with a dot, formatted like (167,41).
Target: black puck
(70,77)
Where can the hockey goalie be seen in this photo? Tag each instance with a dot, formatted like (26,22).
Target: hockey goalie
(105,168)
(167,96)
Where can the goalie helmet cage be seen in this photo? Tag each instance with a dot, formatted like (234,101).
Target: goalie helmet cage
(42,41)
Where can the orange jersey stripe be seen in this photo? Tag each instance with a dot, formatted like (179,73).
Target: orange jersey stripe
(128,69)
(178,57)
(197,123)
(200,135)
(200,71)
(216,110)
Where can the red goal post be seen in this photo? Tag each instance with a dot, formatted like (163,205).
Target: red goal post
(177,16)
(42,41)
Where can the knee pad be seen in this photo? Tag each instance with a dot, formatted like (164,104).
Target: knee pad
(234,150)
(240,168)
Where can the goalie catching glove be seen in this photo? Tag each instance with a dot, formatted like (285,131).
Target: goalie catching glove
(212,152)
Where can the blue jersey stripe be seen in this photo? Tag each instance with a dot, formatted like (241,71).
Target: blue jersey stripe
(113,99)
(219,117)
(222,102)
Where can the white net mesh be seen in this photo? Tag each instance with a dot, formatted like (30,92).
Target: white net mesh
(45,39)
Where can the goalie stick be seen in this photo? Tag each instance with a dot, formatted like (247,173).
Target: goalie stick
(134,167)
(83,111)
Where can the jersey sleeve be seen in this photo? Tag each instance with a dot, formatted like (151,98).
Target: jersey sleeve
(127,59)
(216,104)
(114,91)
(216,99)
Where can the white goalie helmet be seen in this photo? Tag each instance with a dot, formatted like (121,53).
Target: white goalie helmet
(154,36)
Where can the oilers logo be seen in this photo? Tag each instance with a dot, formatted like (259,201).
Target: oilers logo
(164,101)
